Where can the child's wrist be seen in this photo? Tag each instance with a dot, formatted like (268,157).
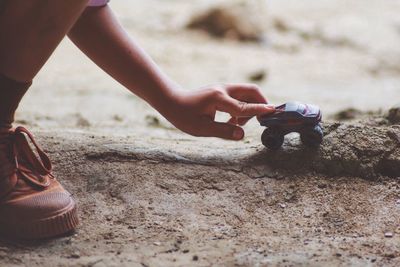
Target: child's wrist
(167,98)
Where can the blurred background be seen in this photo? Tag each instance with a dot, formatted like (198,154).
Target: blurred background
(338,54)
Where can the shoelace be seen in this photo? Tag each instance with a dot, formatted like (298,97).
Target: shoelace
(41,165)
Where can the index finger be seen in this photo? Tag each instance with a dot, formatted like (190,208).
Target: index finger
(242,109)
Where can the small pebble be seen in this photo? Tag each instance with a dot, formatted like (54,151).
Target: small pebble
(388,234)
(75,255)
(258,76)
(322,186)
(157,243)
(282,205)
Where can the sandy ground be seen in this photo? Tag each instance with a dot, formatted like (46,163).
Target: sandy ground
(152,196)
(183,202)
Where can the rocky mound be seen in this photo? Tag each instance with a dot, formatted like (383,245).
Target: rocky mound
(229,22)
(348,149)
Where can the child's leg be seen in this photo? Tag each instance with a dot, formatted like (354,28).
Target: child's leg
(30,31)
(32,203)
(11,93)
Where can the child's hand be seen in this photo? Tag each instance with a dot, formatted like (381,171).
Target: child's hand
(194,112)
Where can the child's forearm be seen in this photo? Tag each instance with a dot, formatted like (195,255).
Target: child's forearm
(99,35)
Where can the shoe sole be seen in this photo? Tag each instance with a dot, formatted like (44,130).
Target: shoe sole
(62,223)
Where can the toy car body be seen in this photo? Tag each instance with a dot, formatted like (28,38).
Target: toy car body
(292,117)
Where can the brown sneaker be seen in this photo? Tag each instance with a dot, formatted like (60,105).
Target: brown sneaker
(33,205)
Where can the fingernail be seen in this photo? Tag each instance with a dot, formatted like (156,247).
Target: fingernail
(238,134)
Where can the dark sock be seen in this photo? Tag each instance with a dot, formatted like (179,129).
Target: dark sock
(11,93)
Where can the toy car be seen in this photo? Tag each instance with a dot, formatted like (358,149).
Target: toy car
(292,117)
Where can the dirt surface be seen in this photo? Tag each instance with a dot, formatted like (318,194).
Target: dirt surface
(185,202)
(150,195)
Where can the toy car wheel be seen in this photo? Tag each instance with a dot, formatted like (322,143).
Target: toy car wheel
(312,137)
(272,138)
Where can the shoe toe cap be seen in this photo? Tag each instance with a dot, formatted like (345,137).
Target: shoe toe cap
(39,206)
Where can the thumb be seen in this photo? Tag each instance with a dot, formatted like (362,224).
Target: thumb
(225,131)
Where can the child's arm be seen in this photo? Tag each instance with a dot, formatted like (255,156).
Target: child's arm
(98,34)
